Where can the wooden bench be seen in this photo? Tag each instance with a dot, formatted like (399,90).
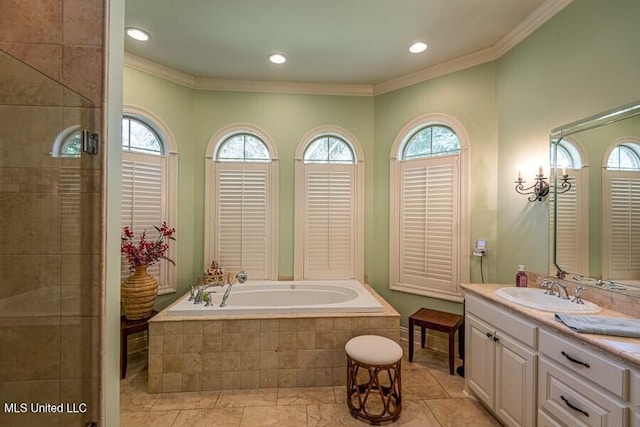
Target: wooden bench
(438,321)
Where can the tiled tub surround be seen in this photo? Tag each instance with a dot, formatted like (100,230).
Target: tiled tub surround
(193,353)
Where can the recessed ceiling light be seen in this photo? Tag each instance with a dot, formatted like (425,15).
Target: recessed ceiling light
(418,47)
(137,34)
(277,58)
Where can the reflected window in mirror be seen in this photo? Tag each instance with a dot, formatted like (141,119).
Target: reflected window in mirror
(148,194)
(572,232)
(621,218)
(68,143)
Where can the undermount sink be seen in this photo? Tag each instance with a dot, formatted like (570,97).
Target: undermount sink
(536,298)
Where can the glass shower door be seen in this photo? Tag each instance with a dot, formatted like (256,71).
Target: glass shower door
(50,210)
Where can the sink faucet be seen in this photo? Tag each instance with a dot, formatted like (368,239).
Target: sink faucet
(562,290)
(241,278)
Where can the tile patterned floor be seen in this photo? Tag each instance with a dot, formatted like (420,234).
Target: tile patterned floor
(431,398)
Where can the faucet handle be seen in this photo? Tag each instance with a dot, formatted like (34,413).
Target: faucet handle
(578,295)
(548,284)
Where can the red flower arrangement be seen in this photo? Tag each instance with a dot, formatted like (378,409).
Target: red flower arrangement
(146,252)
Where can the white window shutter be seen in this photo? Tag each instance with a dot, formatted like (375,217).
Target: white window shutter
(428,238)
(143,207)
(622,226)
(242,218)
(329,218)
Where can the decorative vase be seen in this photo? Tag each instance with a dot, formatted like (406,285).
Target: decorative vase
(138,294)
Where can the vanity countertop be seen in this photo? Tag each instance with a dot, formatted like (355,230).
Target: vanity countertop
(626,349)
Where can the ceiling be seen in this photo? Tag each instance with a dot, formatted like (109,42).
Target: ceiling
(350,42)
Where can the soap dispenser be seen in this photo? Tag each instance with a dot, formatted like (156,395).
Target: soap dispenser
(521,277)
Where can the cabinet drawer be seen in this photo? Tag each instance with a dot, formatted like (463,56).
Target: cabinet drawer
(545,420)
(574,402)
(507,322)
(602,371)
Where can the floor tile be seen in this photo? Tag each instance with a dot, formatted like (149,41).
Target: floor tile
(331,415)
(243,398)
(461,412)
(305,395)
(281,416)
(186,400)
(431,398)
(156,419)
(217,417)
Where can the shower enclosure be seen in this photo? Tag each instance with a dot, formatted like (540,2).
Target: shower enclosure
(50,251)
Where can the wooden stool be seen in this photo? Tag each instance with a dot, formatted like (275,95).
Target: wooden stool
(374,390)
(438,321)
(128,327)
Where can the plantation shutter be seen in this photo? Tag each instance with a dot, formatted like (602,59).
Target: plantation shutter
(622,225)
(329,221)
(429,205)
(572,239)
(143,207)
(242,217)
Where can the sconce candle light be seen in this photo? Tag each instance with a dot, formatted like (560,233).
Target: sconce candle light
(540,189)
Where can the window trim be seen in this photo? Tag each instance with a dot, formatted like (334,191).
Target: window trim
(216,140)
(171,155)
(299,197)
(395,160)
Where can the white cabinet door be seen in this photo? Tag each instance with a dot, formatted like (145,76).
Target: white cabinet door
(480,365)
(515,382)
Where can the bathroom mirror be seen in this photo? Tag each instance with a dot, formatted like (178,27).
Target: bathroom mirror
(595,217)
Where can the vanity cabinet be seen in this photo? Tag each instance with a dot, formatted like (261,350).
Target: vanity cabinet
(579,386)
(528,373)
(502,364)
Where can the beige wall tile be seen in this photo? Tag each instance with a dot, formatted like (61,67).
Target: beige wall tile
(268,360)
(287,359)
(287,340)
(82,71)
(249,379)
(268,341)
(212,362)
(30,352)
(306,359)
(288,325)
(212,327)
(33,21)
(171,382)
(82,22)
(210,380)
(173,328)
(250,360)
(287,377)
(230,380)
(250,341)
(269,325)
(192,343)
(211,343)
(192,362)
(172,344)
(305,378)
(172,363)
(306,340)
(191,381)
(231,342)
(268,378)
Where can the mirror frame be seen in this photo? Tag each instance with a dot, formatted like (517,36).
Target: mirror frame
(557,134)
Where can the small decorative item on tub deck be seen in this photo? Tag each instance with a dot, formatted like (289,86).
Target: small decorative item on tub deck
(214,275)
(139,291)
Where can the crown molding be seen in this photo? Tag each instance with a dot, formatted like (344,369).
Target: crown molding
(284,87)
(158,70)
(534,21)
(457,64)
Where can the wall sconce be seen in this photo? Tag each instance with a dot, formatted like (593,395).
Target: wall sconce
(540,189)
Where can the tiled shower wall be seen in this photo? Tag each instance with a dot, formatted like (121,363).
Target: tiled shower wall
(51,78)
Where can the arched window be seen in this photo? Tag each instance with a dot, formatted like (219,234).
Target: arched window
(243,147)
(625,156)
(572,227)
(241,202)
(428,196)
(621,195)
(431,140)
(329,197)
(149,186)
(328,149)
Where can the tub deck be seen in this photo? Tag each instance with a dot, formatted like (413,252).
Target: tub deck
(249,351)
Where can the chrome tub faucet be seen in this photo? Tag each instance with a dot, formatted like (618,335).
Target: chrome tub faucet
(241,277)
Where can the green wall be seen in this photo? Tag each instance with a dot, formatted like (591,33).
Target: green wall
(584,60)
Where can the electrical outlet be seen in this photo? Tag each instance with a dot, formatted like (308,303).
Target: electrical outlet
(481,248)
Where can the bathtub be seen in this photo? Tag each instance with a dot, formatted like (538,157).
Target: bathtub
(278,297)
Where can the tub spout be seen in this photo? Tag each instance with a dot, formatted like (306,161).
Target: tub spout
(241,277)
(200,293)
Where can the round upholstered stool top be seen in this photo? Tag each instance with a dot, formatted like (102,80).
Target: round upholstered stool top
(373,350)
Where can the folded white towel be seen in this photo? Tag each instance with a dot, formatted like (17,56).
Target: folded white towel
(603,325)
